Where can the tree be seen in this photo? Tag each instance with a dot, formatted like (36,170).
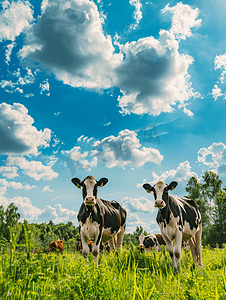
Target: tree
(9,217)
(206,195)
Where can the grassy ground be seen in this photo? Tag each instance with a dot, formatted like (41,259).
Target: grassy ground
(127,275)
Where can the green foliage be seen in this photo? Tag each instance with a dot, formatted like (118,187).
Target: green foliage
(211,200)
(129,275)
(8,217)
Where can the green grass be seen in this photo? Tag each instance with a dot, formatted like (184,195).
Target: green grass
(127,275)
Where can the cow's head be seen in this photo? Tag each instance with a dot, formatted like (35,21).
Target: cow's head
(160,190)
(146,242)
(89,188)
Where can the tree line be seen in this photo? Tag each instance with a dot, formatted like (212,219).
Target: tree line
(209,195)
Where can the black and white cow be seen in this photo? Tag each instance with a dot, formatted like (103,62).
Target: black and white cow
(179,219)
(151,242)
(98,218)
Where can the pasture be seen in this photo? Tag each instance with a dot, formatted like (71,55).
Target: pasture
(128,275)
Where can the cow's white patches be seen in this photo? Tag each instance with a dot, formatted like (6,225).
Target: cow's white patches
(108,235)
(90,229)
(159,189)
(141,239)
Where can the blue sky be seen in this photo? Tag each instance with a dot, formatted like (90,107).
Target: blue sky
(129,90)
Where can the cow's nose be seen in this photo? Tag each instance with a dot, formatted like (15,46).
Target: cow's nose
(89,200)
(159,203)
(141,247)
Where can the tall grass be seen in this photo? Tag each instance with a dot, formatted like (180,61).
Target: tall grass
(128,275)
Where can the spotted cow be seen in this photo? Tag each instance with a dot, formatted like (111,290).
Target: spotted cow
(179,219)
(98,218)
(151,242)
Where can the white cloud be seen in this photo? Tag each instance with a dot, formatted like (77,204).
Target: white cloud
(68,39)
(138,205)
(137,13)
(154,76)
(9,172)
(32,213)
(184,18)
(17,134)
(44,87)
(3,190)
(151,73)
(220,63)
(182,173)
(14,18)
(33,169)
(216,92)
(8,52)
(214,157)
(16,185)
(125,149)
(79,158)
(46,188)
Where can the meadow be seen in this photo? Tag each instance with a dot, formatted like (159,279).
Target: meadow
(128,275)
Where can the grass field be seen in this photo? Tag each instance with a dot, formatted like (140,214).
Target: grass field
(127,275)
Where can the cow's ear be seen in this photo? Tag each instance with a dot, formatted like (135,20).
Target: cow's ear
(77,182)
(172,185)
(148,187)
(102,182)
(137,237)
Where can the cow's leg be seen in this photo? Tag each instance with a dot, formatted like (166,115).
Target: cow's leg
(96,246)
(120,236)
(177,247)
(192,247)
(85,247)
(169,247)
(112,244)
(198,245)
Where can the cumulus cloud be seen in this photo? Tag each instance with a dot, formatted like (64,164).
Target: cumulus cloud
(138,205)
(183,19)
(220,63)
(17,134)
(181,174)
(125,149)
(14,18)
(80,159)
(151,74)
(45,88)
(46,188)
(9,172)
(214,157)
(216,92)
(122,150)
(133,221)
(68,39)
(137,13)
(16,185)
(32,213)
(33,169)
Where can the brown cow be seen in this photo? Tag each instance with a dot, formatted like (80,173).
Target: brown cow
(79,245)
(56,245)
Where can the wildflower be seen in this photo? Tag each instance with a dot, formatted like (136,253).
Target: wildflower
(9,294)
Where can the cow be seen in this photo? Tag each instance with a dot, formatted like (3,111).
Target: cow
(56,245)
(103,246)
(151,242)
(179,219)
(79,245)
(98,218)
